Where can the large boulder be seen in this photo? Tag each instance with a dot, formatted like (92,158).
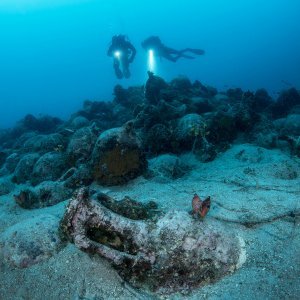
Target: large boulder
(47,193)
(158,139)
(50,166)
(153,88)
(25,167)
(44,124)
(6,185)
(45,143)
(118,156)
(200,105)
(289,125)
(3,156)
(286,101)
(20,141)
(188,129)
(78,177)
(167,166)
(78,122)
(81,144)
(30,242)
(10,164)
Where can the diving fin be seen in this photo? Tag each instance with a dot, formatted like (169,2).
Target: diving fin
(196,51)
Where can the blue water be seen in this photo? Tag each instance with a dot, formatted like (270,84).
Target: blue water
(53,55)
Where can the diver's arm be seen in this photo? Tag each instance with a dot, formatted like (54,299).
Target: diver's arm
(110,51)
(133,53)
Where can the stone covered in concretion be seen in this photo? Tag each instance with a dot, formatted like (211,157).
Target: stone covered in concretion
(47,193)
(117,156)
(30,241)
(170,253)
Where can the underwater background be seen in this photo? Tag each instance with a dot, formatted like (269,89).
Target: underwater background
(181,183)
(53,53)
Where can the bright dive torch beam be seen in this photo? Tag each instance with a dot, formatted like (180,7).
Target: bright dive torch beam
(151,60)
(117,54)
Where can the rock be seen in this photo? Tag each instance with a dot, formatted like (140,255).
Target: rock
(50,166)
(169,111)
(181,84)
(286,101)
(188,129)
(3,156)
(121,95)
(81,145)
(169,166)
(201,90)
(201,105)
(117,156)
(261,101)
(78,177)
(10,164)
(267,140)
(279,123)
(128,207)
(44,124)
(97,110)
(235,94)
(6,185)
(45,194)
(174,253)
(192,133)
(219,98)
(148,116)
(290,125)
(121,115)
(136,96)
(19,143)
(221,129)
(24,168)
(158,139)
(45,143)
(30,241)
(153,88)
(79,122)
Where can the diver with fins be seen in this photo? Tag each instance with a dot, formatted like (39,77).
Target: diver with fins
(123,53)
(154,43)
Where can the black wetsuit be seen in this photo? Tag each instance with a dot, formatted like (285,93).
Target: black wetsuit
(154,43)
(124,53)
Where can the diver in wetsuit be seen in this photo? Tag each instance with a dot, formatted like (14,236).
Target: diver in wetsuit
(123,53)
(154,43)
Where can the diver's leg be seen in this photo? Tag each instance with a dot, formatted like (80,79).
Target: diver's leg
(168,53)
(174,55)
(125,65)
(194,51)
(117,69)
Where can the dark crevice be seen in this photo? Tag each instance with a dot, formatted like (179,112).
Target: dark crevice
(112,239)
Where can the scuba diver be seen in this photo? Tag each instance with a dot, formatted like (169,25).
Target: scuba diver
(154,43)
(123,53)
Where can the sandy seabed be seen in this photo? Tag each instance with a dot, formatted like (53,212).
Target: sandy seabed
(255,194)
